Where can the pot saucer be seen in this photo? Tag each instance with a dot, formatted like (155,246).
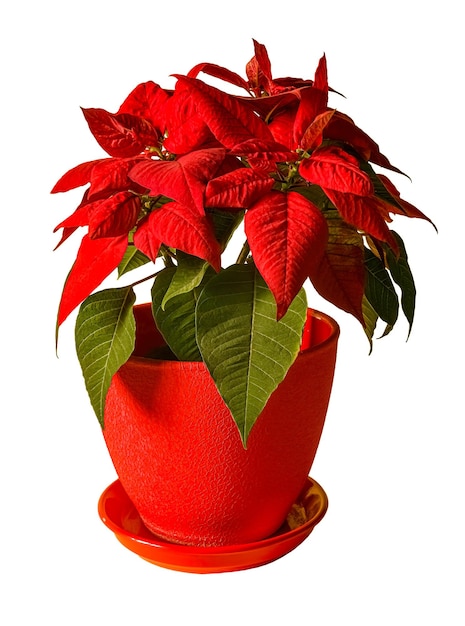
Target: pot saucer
(119,515)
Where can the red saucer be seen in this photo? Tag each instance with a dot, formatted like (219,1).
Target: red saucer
(118,513)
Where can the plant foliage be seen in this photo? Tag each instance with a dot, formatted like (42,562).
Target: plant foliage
(183,168)
(105,334)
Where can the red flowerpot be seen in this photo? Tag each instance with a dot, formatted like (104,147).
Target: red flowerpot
(178,453)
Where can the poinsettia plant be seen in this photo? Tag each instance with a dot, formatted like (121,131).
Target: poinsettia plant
(188,166)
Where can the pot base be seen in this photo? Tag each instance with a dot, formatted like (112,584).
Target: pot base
(119,515)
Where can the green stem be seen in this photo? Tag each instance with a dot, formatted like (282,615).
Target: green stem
(168,256)
(244,253)
(142,280)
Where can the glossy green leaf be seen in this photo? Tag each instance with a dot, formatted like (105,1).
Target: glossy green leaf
(176,320)
(402,275)
(225,224)
(247,351)
(370,318)
(380,291)
(378,186)
(132,259)
(187,276)
(105,336)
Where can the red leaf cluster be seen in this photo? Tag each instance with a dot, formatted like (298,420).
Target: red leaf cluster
(278,153)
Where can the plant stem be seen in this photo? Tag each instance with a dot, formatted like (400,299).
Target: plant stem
(142,280)
(168,256)
(244,253)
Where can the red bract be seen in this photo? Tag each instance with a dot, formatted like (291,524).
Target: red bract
(182,228)
(282,126)
(219,72)
(332,168)
(76,177)
(184,179)
(73,221)
(313,135)
(266,153)
(111,175)
(313,102)
(148,101)
(400,206)
(229,120)
(96,259)
(237,189)
(259,70)
(113,216)
(340,275)
(342,129)
(186,131)
(287,235)
(120,135)
(368,214)
(300,171)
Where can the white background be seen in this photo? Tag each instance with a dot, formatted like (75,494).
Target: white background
(390,549)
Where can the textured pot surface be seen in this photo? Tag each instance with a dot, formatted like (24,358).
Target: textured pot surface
(178,452)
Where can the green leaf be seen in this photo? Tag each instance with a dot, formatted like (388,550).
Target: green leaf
(132,259)
(402,275)
(225,224)
(176,320)
(105,335)
(188,275)
(380,291)
(247,351)
(378,187)
(370,318)
(315,194)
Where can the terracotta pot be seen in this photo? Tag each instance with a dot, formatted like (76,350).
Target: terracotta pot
(178,454)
